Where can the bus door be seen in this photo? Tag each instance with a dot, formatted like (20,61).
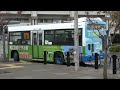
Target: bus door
(36,43)
(35,51)
(40,43)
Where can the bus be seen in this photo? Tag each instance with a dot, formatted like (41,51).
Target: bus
(30,42)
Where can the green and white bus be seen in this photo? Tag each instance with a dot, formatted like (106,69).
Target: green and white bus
(30,42)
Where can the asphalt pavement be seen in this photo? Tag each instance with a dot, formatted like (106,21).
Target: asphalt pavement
(35,70)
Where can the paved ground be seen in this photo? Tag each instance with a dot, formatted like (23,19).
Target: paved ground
(31,70)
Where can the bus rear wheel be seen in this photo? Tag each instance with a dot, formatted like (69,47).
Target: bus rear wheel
(58,58)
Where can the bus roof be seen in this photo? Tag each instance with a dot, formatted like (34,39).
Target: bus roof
(44,27)
(51,26)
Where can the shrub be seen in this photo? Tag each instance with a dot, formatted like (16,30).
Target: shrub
(114,49)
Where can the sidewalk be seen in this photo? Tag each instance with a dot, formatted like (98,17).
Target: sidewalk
(30,70)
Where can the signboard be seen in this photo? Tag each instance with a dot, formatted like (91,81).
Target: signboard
(26,35)
(95,26)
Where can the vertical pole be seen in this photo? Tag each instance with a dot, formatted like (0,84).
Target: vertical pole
(114,64)
(96,60)
(4,55)
(76,41)
(68,58)
(105,53)
(8,46)
(33,22)
(36,22)
(45,57)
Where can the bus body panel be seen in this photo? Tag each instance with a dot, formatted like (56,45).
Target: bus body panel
(25,51)
(91,43)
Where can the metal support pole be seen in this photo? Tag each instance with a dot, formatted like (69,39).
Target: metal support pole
(96,60)
(45,57)
(114,64)
(8,46)
(68,58)
(4,54)
(76,41)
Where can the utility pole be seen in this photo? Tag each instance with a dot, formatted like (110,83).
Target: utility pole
(76,41)
(106,47)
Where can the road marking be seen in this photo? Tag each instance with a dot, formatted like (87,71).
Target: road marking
(40,70)
(7,66)
(12,67)
(87,77)
(24,77)
(60,73)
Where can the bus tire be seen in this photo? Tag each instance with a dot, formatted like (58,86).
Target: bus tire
(59,58)
(16,56)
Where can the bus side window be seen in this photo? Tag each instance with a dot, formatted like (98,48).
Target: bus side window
(88,46)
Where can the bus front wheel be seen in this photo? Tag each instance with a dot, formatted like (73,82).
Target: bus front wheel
(59,58)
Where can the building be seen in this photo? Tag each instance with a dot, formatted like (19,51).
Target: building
(40,17)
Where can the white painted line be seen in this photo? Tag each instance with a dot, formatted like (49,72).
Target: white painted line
(60,73)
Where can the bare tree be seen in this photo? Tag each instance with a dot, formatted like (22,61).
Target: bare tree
(3,23)
(114,22)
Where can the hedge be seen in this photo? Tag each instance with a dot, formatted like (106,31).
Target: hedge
(114,49)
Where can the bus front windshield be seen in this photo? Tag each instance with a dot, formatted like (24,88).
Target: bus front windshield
(20,38)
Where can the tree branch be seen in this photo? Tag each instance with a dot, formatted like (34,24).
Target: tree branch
(97,29)
(115,29)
